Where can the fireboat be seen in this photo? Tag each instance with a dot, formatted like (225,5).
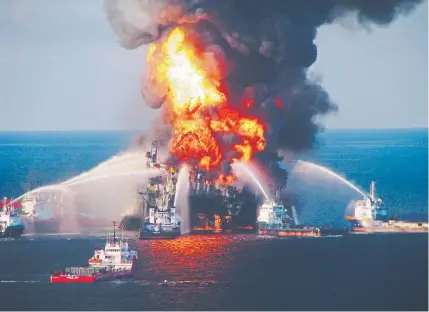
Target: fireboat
(371,216)
(11,224)
(115,261)
(274,220)
(159,202)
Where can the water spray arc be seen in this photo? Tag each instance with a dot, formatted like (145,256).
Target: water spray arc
(181,200)
(302,166)
(129,164)
(245,168)
(295,215)
(91,174)
(143,173)
(116,162)
(42,189)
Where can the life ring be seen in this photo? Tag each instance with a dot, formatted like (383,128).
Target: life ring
(92,260)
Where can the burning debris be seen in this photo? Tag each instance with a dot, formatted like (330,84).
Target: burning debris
(230,75)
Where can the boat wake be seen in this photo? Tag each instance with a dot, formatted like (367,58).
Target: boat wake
(332,236)
(51,234)
(16,281)
(167,283)
(265,237)
(297,237)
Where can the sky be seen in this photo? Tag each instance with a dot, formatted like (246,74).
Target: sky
(61,68)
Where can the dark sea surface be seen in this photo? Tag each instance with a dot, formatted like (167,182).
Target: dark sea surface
(236,272)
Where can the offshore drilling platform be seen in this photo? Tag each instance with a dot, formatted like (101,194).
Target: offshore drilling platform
(218,206)
(215,206)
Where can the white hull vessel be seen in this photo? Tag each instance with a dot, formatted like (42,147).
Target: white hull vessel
(115,261)
(159,211)
(40,214)
(370,215)
(11,223)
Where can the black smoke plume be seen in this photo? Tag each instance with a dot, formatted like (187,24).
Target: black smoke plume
(263,48)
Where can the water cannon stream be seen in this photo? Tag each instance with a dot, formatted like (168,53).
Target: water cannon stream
(302,165)
(245,168)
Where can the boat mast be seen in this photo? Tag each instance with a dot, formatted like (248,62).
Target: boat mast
(114,232)
(143,208)
(152,156)
(277,196)
(154,151)
(372,191)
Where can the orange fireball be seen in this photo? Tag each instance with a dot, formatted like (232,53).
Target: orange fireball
(190,87)
(192,139)
(200,111)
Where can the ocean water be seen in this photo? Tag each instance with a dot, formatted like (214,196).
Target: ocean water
(236,272)
(396,159)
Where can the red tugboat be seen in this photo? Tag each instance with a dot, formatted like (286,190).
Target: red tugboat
(114,262)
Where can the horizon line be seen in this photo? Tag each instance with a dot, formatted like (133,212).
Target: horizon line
(144,130)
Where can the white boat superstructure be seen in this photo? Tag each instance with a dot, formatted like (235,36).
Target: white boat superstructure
(38,207)
(273,215)
(159,211)
(116,255)
(370,211)
(10,221)
(28,204)
(43,212)
(115,261)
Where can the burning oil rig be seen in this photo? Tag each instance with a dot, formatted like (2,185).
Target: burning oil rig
(218,206)
(214,204)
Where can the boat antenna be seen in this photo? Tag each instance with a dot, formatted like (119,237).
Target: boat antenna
(114,233)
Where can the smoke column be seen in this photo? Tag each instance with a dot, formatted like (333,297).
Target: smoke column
(259,50)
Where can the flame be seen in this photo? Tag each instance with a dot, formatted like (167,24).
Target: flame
(226,179)
(199,110)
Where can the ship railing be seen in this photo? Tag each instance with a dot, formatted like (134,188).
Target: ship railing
(85,271)
(120,270)
(126,261)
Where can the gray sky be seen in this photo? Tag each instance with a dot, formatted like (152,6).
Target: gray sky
(62,69)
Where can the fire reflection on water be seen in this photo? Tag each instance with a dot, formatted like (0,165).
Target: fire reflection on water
(194,254)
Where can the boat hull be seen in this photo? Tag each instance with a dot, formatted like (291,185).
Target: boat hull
(72,278)
(89,279)
(13,231)
(390,229)
(377,226)
(170,233)
(237,230)
(109,276)
(303,232)
(286,232)
(46,226)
